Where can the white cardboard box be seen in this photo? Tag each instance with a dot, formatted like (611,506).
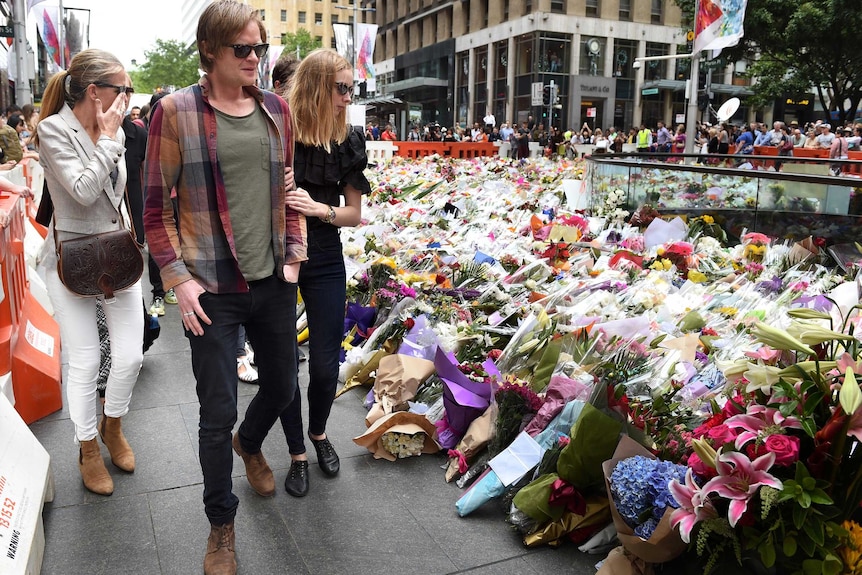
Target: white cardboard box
(26,482)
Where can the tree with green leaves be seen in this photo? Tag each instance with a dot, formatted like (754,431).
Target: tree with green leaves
(303,40)
(796,47)
(168,63)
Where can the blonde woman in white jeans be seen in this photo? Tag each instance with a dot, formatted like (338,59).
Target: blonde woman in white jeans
(81,148)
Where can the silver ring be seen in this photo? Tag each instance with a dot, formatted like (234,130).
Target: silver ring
(188,313)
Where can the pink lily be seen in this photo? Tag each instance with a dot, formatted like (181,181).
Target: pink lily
(765,353)
(739,478)
(755,420)
(846,360)
(694,505)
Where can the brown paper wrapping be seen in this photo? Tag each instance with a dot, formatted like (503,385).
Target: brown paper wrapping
(620,562)
(398,378)
(665,543)
(398,422)
(597,513)
(479,434)
(363,376)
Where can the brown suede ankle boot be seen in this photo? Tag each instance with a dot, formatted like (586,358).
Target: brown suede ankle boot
(93,470)
(111,431)
(220,558)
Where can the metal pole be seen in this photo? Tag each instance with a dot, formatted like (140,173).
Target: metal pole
(22,80)
(691,113)
(61,34)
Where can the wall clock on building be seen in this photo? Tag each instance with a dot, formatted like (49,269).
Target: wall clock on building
(594,47)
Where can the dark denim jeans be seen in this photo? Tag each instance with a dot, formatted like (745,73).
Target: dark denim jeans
(268,311)
(322,284)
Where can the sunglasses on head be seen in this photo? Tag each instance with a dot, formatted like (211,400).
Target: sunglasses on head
(243,50)
(343,89)
(118,89)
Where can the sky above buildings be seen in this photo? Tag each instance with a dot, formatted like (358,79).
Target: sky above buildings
(129,27)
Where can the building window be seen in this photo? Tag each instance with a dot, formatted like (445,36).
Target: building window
(528,6)
(626,10)
(593,8)
(318,19)
(465,10)
(558,6)
(301,18)
(656,69)
(334,18)
(656,12)
(505,10)
(284,15)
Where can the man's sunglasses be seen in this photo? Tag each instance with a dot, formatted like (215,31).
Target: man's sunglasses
(243,50)
(118,89)
(343,89)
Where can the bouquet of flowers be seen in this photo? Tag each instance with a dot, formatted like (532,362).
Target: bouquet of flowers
(778,477)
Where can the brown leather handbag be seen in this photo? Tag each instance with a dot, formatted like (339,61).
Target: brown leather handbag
(100,264)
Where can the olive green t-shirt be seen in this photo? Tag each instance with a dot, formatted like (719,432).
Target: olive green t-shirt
(243,156)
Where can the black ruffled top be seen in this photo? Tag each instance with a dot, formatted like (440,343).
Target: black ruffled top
(324,174)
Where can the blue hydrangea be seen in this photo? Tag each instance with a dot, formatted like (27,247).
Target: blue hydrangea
(640,493)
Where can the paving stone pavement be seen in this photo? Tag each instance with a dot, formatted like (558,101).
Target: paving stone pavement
(376,517)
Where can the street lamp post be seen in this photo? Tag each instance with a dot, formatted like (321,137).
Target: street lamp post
(691,93)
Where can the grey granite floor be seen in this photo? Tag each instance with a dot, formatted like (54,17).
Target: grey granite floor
(375,517)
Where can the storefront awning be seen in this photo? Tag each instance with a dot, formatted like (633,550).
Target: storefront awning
(731,89)
(418,82)
(674,85)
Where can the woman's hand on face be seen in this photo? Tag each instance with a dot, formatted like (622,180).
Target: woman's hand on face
(300,201)
(110,121)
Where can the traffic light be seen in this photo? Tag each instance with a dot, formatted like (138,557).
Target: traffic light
(546,96)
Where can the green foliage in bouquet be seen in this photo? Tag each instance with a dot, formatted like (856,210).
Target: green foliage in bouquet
(792,436)
(594,439)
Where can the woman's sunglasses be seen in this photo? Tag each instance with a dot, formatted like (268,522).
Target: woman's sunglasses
(343,89)
(118,89)
(243,50)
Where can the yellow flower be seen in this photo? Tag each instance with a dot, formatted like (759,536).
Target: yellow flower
(388,262)
(851,553)
(708,220)
(660,251)
(728,311)
(696,276)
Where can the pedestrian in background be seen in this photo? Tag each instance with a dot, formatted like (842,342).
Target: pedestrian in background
(233,256)
(81,148)
(329,162)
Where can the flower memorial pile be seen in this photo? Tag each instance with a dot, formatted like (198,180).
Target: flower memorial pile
(641,384)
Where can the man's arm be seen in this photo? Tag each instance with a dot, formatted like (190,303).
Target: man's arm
(161,171)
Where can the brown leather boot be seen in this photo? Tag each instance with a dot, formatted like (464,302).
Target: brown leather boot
(220,558)
(257,470)
(111,432)
(93,470)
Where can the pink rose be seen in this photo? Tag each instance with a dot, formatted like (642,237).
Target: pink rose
(785,448)
(721,434)
(700,468)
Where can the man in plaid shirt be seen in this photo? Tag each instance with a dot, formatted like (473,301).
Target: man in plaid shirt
(233,257)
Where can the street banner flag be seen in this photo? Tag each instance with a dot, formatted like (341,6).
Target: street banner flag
(367,34)
(718,24)
(48,24)
(344,41)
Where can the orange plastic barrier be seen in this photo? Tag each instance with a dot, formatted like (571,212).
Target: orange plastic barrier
(855,169)
(765,151)
(13,274)
(810,153)
(473,149)
(29,336)
(453,149)
(36,371)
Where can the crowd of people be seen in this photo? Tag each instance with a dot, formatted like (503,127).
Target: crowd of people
(232,232)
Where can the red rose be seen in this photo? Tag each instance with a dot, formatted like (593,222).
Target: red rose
(700,468)
(409,323)
(721,434)
(785,448)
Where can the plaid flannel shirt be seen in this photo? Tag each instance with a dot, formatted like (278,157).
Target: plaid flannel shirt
(181,155)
